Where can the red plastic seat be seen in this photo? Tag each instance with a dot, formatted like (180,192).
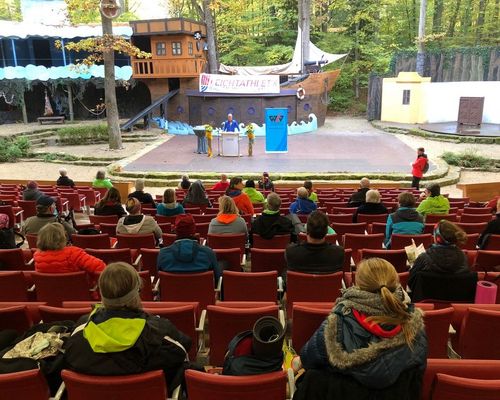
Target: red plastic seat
(340,218)
(342,210)
(311,287)
(487,260)
(149,211)
(437,325)
(397,258)
(253,286)
(227,241)
(477,227)
(22,385)
(306,320)
(165,227)
(163,219)
(435,218)
(477,210)
(52,314)
(55,288)
(268,260)
(401,241)
(31,238)
(28,206)
(76,201)
(357,242)
(226,323)
(148,385)
(103,219)
(471,243)
(341,229)
(91,196)
(15,317)
(277,242)
(112,255)
(204,386)
(479,335)
(475,218)
(492,243)
(371,218)
(13,286)
(459,388)
(202,229)
(14,260)
(202,219)
(149,261)
(230,258)
(136,241)
(378,227)
(110,229)
(100,241)
(15,214)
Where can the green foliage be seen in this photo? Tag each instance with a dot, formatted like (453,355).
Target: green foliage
(13,149)
(278,54)
(75,135)
(468,159)
(48,157)
(10,10)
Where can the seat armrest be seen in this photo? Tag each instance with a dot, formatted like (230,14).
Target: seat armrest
(280,284)
(175,394)
(243,260)
(291,383)
(60,392)
(281,315)
(200,329)
(31,262)
(137,261)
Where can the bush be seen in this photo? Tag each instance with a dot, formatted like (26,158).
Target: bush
(75,135)
(467,159)
(13,149)
(59,156)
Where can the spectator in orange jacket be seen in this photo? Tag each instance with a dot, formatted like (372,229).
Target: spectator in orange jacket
(418,167)
(241,199)
(53,256)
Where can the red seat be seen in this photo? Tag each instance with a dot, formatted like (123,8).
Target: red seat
(31,238)
(55,288)
(149,259)
(268,260)
(479,335)
(437,325)
(397,258)
(342,210)
(104,219)
(204,386)
(202,219)
(15,317)
(227,241)
(110,229)
(147,286)
(435,218)
(471,243)
(306,320)
(202,229)
(148,385)
(401,241)
(340,218)
(15,214)
(378,227)
(165,227)
(277,242)
(459,388)
(149,211)
(28,206)
(477,210)
(475,218)
(311,287)
(13,286)
(341,229)
(487,260)
(14,260)
(371,218)
(253,286)
(76,201)
(112,255)
(492,243)
(226,323)
(52,314)
(100,241)
(91,196)
(23,385)
(136,241)
(356,242)
(477,227)
(163,219)
(460,309)
(229,258)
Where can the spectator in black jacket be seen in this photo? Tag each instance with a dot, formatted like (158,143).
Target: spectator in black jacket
(271,223)
(110,204)
(493,228)
(63,180)
(144,198)
(359,197)
(315,256)
(371,206)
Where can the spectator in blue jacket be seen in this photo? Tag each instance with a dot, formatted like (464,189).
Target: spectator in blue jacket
(186,255)
(406,220)
(302,205)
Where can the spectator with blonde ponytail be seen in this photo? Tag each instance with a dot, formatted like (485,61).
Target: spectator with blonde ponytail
(374,339)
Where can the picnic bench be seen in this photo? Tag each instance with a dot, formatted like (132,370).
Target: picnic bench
(51,120)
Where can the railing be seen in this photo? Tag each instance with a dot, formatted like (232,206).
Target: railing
(181,67)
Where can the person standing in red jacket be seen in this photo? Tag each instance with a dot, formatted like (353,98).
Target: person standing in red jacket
(418,168)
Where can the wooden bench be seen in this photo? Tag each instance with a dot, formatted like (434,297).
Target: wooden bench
(480,191)
(51,120)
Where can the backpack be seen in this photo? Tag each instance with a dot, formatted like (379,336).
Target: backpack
(426,166)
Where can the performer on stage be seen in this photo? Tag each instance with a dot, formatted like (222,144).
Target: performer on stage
(231,124)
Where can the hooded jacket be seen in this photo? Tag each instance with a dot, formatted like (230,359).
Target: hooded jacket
(434,205)
(418,166)
(228,224)
(358,198)
(123,342)
(405,221)
(65,181)
(196,195)
(270,224)
(493,228)
(254,195)
(309,258)
(109,208)
(302,206)
(144,198)
(188,256)
(169,209)
(138,224)
(32,194)
(369,208)
(68,259)
(242,201)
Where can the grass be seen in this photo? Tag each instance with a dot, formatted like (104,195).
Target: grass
(470,159)
(89,134)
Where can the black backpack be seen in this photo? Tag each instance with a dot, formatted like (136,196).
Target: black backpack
(426,166)
(8,239)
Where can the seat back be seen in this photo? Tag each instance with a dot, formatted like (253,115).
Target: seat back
(13,286)
(306,320)
(28,206)
(203,386)
(340,218)
(457,288)
(13,260)
(111,255)
(311,287)
(15,317)
(149,261)
(479,335)
(487,260)
(356,242)
(341,229)
(458,388)
(136,241)
(435,218)
(226,323)
(31,238)
(477,210)
(148,385)
(472,227)
(475,218)
(229,258)
(378,227)
(370,218)
(255,286)
(492,243)
(55,288)
(471,242)
(437,325)
(227,241)
(106,219)
(24,385)
(397,258)
(52,314)
(277,242)
(268,260)
(401,241)
(100,241)
(110,229)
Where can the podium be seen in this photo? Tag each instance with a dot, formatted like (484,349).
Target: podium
(230,144)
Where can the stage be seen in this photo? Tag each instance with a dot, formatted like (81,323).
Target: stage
(454,129)
(327,150)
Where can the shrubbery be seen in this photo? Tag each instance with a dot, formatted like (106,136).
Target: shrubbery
(469,159)
(88,134)
(11,149)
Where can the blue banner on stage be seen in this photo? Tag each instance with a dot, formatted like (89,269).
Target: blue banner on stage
(276,120)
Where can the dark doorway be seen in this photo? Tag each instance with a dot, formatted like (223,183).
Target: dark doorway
(41,51)
(173,84)
(142,42)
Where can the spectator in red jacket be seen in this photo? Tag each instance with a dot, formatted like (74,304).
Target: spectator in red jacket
(222,185)
(418,167)
(53,256)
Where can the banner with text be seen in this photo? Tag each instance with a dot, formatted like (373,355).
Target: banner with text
(239,84)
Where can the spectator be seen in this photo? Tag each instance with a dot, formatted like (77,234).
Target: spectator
(312,195)
(101,181)
(119,338)
(196,196)
(137,223)
(406,220)
(241,199)
(316,255)
(53,256)
(31,192)
(255,196)
(271,223)
(145,198)
(185,183)
(169,207)
(373,341)
(45,214)
(222,185)
(434,202)
(443,257)
(110,204)
(371,206)
(493,228)
(186,255)
(359,197)
(418,168)
(63,179)
(266,183)
(302,205)
(228,221)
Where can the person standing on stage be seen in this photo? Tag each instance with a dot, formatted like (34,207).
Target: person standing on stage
(231,124)
(419,168)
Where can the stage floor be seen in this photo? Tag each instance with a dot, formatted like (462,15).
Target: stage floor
(322,151)
(452,128)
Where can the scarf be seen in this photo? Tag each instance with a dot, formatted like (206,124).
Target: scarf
(234,193)
(271,212)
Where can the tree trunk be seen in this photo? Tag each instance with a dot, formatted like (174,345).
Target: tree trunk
(421,34)
(305,26)
(453,19)
(438,16)
(495,18)
(480,19)
(115,135)
(213,65)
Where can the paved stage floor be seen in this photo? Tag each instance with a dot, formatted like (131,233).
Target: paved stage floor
(323,151)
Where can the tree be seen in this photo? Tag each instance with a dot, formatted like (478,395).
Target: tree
(85,12)
(10,10)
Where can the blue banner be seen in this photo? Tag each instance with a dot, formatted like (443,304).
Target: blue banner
(276,120)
